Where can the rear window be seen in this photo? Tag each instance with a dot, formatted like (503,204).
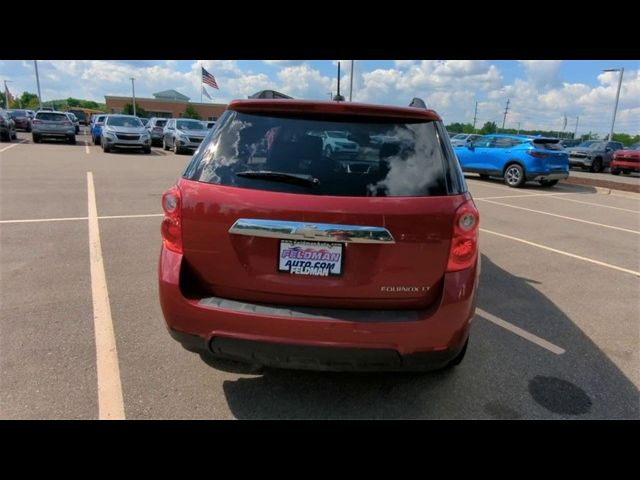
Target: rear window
(189,125)
(548,144)
(160,123)
(52,117)
(17,113)
(328,156)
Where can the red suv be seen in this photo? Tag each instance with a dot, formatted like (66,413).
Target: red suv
(275,254)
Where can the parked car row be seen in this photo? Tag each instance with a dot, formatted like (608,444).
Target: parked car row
(7,127)
(626,160)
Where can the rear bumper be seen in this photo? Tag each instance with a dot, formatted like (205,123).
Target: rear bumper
(427,342)
(547,176)
(70,132)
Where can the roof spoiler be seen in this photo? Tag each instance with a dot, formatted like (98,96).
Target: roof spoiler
(418,103)
(269,94)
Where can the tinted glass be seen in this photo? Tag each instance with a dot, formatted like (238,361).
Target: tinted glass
(358,158)
(189,125)
(17,113)
(123,122)
(160,123)
(52,117)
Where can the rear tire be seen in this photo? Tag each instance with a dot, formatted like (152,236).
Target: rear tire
(72,140)
(176,149)
(596,166)
(105,147)
(147,150)
(458,358)
(14,136)
(514,175)
(548,183)
(615,171)
(164,145)
(5,137)
(35,138)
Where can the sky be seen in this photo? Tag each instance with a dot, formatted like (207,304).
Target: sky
(540,92)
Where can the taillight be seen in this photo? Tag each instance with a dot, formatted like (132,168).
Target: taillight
(171,227)
(464,241)
(535,153)
(36,122)
(66,124)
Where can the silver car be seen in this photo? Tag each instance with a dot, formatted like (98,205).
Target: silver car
(155,127)
(52,125)
(181,134)
(124,131)
(462,139)
(593,155)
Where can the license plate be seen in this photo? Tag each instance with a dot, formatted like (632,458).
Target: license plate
(320,259)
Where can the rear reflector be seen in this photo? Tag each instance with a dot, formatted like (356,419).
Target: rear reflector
(537,154)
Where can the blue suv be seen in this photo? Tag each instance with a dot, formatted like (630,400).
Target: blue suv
(516,158)
(95,127)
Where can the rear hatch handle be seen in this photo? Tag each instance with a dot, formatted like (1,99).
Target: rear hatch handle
(326,232)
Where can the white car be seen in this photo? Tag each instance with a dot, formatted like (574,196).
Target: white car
(336,145)
(462,139)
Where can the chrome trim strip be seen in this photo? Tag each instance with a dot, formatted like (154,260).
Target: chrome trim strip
(322,232)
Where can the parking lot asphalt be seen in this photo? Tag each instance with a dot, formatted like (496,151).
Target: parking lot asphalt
(556,335)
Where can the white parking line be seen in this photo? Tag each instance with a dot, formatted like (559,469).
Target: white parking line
(522,196)
(67,219)
(10,146)
(561,252)
(86,147)
(594,204)
(541,342)
(132,216)
(110,400)
(562,216)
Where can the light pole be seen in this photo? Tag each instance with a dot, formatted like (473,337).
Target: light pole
(133,91)
(35,63)
(6,95)
(615,109)
(351,81)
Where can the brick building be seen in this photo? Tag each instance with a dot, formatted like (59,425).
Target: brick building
(168,103)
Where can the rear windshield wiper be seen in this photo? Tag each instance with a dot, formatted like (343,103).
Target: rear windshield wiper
(293,178)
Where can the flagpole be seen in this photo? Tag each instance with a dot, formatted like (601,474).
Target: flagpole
(201,86)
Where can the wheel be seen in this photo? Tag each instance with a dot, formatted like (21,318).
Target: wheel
(514,175)
(105,147)
(458,358)
(29,128)
(72,140)
(548,183)
(615,171)
(164,145)
(5,137)
(177,150)
(147,150)
(35,138)
(328,152)
(484,176)
(14,136)
(596,166)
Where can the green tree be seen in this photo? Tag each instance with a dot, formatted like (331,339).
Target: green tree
(73,102)
(29,100)
(488,127)
(2,100)
(128,110)
(625,138)
(191,112)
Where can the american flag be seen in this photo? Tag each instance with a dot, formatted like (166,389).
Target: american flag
(209,79)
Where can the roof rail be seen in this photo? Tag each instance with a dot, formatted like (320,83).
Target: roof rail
(418,103)
(269,94)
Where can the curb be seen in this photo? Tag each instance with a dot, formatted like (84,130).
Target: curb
(603,186)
